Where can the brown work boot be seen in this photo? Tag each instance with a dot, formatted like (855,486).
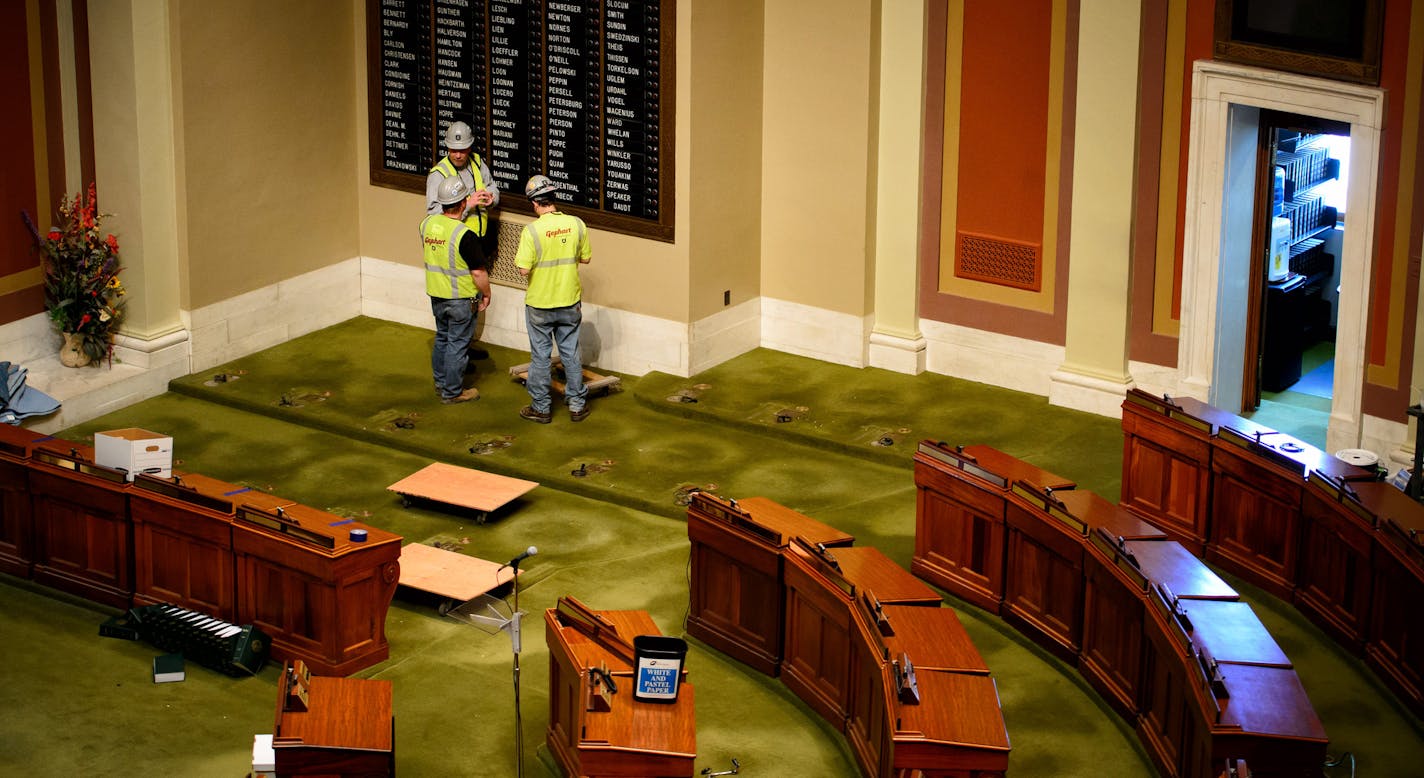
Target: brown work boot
(580,414)
(463,397)
(528,412)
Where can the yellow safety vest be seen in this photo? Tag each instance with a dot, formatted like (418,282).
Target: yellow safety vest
(551,247)
(447,275)
(479,220)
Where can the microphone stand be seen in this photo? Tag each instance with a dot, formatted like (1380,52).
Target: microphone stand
(514,640)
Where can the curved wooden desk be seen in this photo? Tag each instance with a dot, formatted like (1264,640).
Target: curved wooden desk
(854,629)
(1166,641)
(1307,527)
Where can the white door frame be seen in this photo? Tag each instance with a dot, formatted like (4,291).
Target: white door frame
(1216,86)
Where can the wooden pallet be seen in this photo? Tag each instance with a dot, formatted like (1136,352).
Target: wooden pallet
(595,383)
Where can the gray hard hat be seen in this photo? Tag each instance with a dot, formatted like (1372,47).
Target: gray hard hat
(459,137)
(540,186)
(452,190)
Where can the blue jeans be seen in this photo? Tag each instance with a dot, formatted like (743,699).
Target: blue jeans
(454,324)
(550,327)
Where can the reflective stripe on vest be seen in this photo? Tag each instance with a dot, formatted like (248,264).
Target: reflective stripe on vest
(479,220)
(446,274)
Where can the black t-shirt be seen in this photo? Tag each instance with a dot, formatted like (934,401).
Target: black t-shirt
(472,251)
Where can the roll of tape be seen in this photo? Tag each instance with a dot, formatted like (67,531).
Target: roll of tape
(1357,456)
(358,536)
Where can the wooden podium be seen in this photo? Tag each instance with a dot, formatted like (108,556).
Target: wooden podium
(333,726)
(594,731)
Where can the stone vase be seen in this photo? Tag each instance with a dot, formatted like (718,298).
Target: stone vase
(71,354)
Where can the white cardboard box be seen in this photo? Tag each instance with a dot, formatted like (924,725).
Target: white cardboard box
(264,757)
(135,451)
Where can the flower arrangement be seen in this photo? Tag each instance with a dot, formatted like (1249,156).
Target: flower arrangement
(81,276)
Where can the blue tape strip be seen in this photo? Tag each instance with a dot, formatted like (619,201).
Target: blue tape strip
(43,439)
(237,491)
(343,521)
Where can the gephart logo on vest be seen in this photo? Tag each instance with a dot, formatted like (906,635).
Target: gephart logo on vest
(561,233)
(429,241)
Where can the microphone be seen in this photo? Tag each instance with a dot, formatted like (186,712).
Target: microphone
(528,552)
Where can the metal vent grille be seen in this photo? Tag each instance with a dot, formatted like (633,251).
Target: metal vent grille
(507,245)
(999,261)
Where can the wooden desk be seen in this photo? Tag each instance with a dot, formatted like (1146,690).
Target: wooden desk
(1337,539)
(1163,637)
(955,729)
(83,536)
(1166,464)
(824,591)
(183,543)
(817,661)
(348,729)
(1395,642)
(595,735)
(1199,709)
(960,510)
(1257,486)
(319,596)
(1044,573)
(738,593)
(934,637)
(17,531)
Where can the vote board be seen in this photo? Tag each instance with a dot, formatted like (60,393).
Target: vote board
(574,90)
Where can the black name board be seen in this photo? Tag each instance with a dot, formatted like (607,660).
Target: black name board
(572,89)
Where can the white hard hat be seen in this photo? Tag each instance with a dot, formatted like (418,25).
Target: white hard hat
(452,190)
(540,186)
(459,137)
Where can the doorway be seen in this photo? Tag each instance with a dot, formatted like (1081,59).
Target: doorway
(1294,274)
(1224,95)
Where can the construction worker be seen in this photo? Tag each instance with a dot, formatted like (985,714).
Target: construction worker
(457,280)
(551,248)
(460,160)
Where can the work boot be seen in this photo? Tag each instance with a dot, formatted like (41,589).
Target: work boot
(528,412)
(580,414)
(463,397)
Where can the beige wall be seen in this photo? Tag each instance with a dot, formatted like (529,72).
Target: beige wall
(816,149)
(632,274)
(725,226)
(268,92)
(274,177)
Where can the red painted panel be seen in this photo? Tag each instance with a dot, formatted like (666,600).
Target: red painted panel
(17,158)
(1003,112)
(1394,74)
(1201,20)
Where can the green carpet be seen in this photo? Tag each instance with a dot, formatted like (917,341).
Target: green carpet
(332,418)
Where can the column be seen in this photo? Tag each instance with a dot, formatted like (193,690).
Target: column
(895,339)
(1093,376)
(136,169)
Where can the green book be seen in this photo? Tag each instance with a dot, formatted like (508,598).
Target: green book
(168,668)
